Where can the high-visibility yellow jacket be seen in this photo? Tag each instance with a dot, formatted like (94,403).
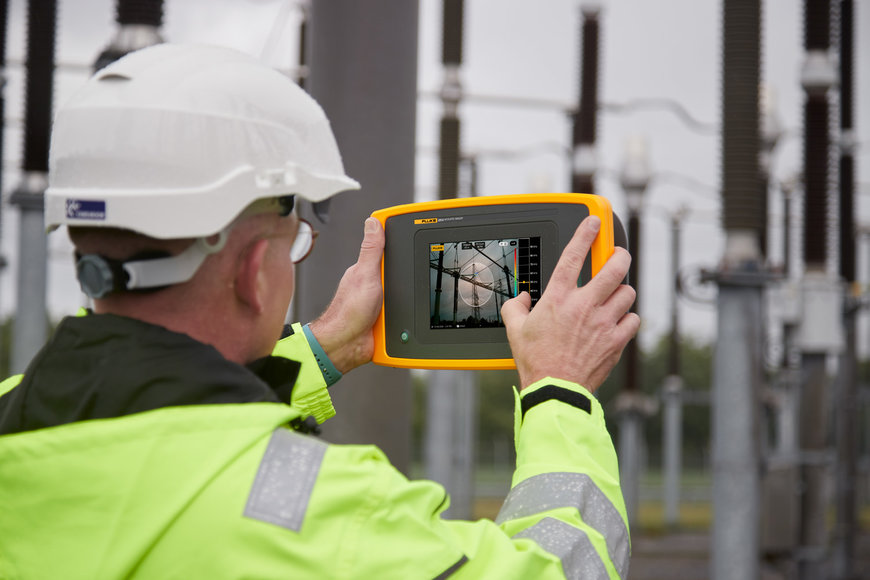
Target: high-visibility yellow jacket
(128,451)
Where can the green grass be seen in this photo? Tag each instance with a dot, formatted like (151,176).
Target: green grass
(693,517)
(696,516)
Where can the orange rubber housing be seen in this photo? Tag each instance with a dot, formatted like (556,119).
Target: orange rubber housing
(602,249)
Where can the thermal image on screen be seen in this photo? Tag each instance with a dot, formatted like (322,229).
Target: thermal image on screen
(469,281)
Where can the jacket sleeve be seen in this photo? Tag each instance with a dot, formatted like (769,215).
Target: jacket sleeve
(566,484)
(309,393)
(563,518)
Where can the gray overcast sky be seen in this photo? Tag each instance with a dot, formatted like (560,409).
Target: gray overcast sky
(664,49)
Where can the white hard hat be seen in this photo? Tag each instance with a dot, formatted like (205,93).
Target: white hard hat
(174,141)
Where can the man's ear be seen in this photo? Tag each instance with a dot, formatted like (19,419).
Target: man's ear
(250,281)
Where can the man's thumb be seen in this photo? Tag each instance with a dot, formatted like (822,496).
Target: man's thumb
(372,247)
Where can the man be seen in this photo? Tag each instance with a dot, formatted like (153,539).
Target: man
(166,434)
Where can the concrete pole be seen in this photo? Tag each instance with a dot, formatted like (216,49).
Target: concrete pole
(736,382)
(364,75)
(31,322)
(451,426)
(629,452)
(438,435)
(466,444)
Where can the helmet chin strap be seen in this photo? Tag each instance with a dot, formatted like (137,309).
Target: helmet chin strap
(174,269)
(100,276)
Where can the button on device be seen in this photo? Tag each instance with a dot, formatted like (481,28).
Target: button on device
(405,336)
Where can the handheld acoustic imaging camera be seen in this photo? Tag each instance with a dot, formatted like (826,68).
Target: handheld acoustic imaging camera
(449,266)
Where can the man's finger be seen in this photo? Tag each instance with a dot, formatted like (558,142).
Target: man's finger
(372,247)
(620,301)
(570,263)
(515,310)
(610,277)
(628,325)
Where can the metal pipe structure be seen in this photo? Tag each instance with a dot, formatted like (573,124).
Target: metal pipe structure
(632,351)
(304,16)
(676,247)
(629,403)
(632,406)
(780,502)
(788,188)
(139,23)
(847,424)
(451,407)
(737,361)
(771,131)
(672,392)
(31,322)
(821,329)
(787,439)
(364,75)
(780,480)
(584,162)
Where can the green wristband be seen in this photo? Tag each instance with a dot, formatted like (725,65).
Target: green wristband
(330,373)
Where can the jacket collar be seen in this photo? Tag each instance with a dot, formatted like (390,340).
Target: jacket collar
(103,366)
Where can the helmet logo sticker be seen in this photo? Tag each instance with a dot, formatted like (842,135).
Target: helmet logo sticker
(83,209)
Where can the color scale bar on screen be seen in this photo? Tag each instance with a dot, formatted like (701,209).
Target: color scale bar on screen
(516,280)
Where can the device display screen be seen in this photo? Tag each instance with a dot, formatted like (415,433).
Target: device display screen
(470,280)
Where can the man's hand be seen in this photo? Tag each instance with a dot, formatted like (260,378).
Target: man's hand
(344,330)
(576,334)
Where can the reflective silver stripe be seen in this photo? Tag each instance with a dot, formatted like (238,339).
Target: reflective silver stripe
(569,544)
(285,479)
(550,491)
